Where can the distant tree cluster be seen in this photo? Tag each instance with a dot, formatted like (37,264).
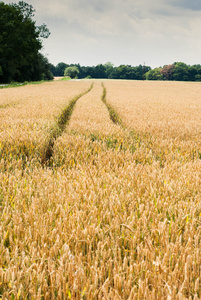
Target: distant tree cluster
(102,71)
(178,71)
(20,43)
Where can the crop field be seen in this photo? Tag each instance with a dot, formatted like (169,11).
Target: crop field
(100,190)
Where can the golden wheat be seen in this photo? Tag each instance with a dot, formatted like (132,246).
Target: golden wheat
(28,114)
(118,215)
(91,114)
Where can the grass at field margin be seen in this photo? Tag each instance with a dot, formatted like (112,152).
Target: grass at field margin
(19,84)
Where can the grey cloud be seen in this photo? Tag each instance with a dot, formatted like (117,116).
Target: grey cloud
(194,5)
(90,5)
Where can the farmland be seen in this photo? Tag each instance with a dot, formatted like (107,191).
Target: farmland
(100,188)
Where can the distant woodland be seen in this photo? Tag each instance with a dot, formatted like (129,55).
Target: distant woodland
(177,71)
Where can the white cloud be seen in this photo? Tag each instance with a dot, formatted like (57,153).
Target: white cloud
(122,31)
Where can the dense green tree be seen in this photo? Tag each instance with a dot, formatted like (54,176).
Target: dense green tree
(85,71)
(154,74)
(42,69)
(20,43)
(197,77)
(99,71)
(194,73)
(140,72)
(59,69)
(72,72)
(120,72)
(129,72)
(53,69)
(108,68)
(181,72)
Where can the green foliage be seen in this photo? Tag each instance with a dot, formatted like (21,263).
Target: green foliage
(65,78)
(108,68)
(72,72)
(19,84)
(99,71)
(154,74)
(42,69)
(59,69)
(198,77)
(177,71)
(129,72)
(20,43)
(104,71)
(181,72)
(12,84)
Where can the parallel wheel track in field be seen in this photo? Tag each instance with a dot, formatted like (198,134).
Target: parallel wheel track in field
(64,119)
(60,125)
(113,114)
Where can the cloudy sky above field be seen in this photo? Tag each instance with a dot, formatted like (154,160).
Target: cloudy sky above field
(89,32)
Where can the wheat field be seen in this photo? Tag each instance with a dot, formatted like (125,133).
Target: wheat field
(100,188)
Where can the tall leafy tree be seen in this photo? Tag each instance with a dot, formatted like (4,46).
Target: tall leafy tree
(181,72)
(154,74)
(72,72)
(20,43)
(167,72)
(59,69)
(99,71)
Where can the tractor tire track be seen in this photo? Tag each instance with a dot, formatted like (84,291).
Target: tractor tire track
(91,115)
(113,114)
(60,125)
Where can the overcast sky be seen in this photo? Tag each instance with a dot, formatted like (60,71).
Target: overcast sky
(89,32)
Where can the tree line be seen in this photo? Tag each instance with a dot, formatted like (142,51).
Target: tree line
(20,45)
(177,71)
(100,71)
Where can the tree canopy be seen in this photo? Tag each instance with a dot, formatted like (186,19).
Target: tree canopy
(154,74)
(177,71)
(20,43)
(72,72)
(106,70)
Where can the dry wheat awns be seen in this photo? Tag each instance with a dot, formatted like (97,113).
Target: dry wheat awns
(116,212)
